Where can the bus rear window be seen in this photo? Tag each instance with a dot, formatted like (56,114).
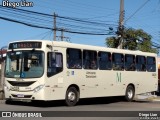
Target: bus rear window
(151,64)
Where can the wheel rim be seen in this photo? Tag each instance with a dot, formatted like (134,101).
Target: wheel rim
(130,94)
(71,96)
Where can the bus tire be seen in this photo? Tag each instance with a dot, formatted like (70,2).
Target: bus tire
(72,96)
(8,101)
(129,95)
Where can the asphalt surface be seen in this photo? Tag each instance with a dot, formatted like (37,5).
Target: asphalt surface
(104,104)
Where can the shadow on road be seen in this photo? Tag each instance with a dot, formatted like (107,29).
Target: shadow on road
(104,100)
(91,101)
(158,93)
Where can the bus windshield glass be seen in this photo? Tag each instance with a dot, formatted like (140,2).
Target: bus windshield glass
(24,64)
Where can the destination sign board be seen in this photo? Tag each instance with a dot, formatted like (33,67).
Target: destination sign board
(28,44)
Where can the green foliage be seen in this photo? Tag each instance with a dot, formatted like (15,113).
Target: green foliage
(133,40)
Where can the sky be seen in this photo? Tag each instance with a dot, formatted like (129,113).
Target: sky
(104,11)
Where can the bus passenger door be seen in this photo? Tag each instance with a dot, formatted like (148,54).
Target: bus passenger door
(55,74)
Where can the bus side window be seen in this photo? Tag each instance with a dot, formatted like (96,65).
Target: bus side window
(90,59)
(118,61)
(151,64)
(54,63)
(105,61)
(130,62)
(74,58)
(141,63)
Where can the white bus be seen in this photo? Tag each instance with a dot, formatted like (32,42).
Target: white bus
(53,70)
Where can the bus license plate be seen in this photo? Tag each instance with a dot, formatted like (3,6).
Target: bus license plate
(20,95)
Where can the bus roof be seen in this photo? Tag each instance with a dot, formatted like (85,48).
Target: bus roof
(88,47)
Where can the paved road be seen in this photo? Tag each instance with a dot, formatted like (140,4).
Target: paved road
(100,104)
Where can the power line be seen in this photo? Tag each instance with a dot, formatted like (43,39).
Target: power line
(51,16)
(136,11)
(28,11)
(83,21)
(37,20)
(27,24)
(36,26)
(35,36)
(78,7)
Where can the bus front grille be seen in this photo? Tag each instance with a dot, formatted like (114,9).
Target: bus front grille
(21,84)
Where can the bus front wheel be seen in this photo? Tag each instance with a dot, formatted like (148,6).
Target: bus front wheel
(71,96)
(129,93)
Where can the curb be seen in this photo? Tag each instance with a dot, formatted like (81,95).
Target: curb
(156,100)
(150,99)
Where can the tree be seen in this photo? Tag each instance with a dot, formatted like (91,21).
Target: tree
(133,40)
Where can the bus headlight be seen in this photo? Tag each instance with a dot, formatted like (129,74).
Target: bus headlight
(38,88)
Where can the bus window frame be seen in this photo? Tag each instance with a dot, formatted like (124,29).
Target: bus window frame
(90,60)
(148,70)
(62,68)
(118,68)
(142,66)
(75,66)
(132,66)
(109,59)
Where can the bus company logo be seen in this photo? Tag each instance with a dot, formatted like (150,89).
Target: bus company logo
(118,77)
(13,4)
(6,114)
(19,79)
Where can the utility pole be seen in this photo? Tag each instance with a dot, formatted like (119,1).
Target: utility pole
(121,27)
(62,35)
(2,73)
(54,24)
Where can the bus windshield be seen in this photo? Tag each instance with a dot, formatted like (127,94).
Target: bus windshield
(24,64)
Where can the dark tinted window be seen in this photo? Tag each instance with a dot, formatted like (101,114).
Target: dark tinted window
(89,59)
(104,61)
(151,64)
(118,61)
(74,58)
(54,63)
(141,63)
(130,63)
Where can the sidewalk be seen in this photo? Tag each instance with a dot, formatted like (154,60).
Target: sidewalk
(157,99)
(2,101)
(152,98)
(1,93)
